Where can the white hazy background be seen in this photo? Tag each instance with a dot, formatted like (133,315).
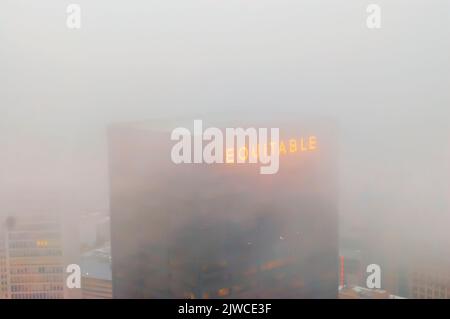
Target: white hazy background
(388,90)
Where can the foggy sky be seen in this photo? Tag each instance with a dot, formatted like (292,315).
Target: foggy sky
(388,90)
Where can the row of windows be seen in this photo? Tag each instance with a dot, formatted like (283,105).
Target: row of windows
(39,287)
(33,244)
(50,226)
(439,277)
(421,292)
(429,288)
(36,278)
(432,285)
(40,295)
(37,270)
(424,296)
(36,253)
(33,236)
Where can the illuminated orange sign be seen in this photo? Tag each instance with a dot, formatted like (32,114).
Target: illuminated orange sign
(260,148)
(293,145)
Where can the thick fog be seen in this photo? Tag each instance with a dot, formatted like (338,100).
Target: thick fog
(387,89)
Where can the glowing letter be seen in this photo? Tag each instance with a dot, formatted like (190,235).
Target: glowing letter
(292,146)
(282,148)
(230,135)
(312,142)
(242,154)
(302,145)
(241,136)
(254,154)
(229,155)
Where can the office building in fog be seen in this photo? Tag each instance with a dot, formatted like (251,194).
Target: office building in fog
(32,258)
(223,230)
(96,278)
(428,275)
(4,291)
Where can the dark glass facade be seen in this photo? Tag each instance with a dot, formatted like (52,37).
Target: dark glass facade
(222,230)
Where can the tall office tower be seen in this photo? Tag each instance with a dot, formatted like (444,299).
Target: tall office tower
(223,230)
(3,269)
(32,257)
